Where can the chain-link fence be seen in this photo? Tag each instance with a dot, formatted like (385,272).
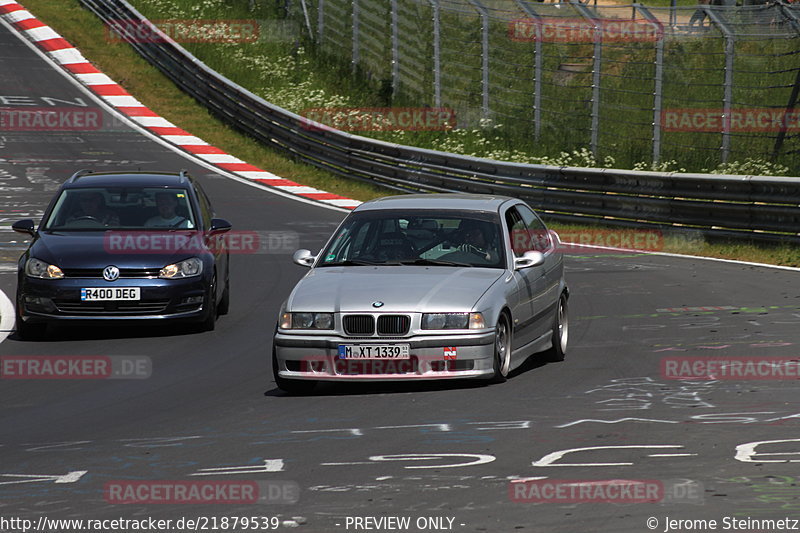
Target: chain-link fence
(701,85)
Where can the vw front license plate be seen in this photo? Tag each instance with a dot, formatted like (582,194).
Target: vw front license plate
(374,351)
(110,294)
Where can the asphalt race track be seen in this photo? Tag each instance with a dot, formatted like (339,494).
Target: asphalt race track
(426,451)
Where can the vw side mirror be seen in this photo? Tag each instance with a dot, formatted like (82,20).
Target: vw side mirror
(24,226)
(219,225)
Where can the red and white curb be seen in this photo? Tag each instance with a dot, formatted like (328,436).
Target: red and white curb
(69,57)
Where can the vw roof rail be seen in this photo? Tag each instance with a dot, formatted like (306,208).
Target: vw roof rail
(78,174)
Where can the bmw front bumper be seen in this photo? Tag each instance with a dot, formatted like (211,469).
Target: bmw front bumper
(316,357)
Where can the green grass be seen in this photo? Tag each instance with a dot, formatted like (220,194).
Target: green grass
(121,63)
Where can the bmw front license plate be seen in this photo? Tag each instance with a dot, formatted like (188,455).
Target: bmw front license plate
(374,351)
(110,294)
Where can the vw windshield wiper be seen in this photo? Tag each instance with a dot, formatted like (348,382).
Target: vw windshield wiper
(434,262)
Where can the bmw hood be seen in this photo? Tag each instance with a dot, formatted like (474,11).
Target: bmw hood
(100,249)
(399,288)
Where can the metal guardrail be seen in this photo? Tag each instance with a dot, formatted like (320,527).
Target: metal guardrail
(758,207)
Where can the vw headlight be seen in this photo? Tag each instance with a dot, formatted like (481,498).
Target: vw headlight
(452,321)
(307,321)
(36,268)
(184,269)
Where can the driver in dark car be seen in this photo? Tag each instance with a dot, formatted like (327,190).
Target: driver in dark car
(167,216)
(93,207)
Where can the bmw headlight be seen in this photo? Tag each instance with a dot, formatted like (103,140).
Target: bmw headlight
(307,321)
(36,268)
(184,269)
(453,321)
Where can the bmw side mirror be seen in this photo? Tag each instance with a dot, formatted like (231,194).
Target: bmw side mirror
(531,258)
(24,226)
(304,258)
(219,225)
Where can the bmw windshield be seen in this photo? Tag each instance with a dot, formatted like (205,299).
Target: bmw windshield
(129,208)
(418,237)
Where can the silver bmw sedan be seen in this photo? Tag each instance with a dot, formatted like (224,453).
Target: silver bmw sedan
(432,286)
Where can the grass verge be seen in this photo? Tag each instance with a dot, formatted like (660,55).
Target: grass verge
(119,61)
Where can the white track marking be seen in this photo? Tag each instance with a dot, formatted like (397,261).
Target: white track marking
(270,465)
(70,477)
(7,316)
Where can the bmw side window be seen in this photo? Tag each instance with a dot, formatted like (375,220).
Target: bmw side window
(537,234)
(348,243)
(516,232)
(339,249)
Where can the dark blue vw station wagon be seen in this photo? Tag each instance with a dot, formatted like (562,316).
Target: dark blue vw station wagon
(117,246)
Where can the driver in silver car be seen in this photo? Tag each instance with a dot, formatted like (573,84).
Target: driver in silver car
(473,241)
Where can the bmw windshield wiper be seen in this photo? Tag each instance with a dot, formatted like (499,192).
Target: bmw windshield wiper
(351,262)
(434,262)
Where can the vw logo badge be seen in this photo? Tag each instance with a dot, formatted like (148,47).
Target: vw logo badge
(110,273)
(377,304)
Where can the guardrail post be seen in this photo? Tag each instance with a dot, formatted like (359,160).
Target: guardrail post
(484,14)
(727,96)
(673,14)
(657,100)
(596,66)
(658,80)
(320,20)
(537,67)
(356,51)
(437,54)
(395,49)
